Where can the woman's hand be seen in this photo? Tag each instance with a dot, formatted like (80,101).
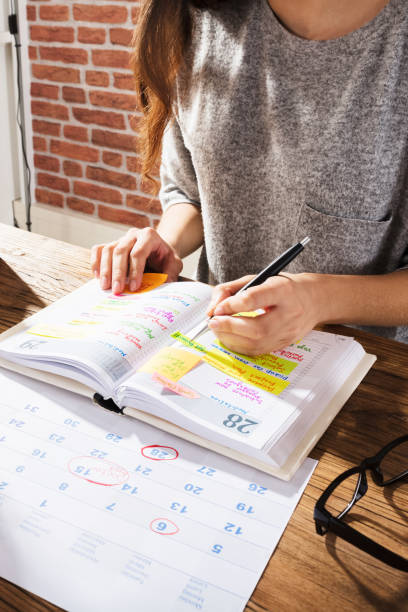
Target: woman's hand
(291,306)
(126,258)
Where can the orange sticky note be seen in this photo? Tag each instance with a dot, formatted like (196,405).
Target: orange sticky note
(150,281)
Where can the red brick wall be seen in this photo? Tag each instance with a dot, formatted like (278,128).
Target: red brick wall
(82,102)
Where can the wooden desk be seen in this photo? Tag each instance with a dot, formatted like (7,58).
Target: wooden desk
(306,572)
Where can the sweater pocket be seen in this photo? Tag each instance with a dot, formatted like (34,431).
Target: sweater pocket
(342,245)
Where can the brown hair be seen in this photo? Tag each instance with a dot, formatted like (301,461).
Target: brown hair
(161,37)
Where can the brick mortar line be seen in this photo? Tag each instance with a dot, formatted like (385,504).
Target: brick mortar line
(72,23)
(109,89)
(80,67)
(91,46)
(122,131)
(112,72)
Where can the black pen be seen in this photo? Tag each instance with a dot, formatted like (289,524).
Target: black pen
(272,269)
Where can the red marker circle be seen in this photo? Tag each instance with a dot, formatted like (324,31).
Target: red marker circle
(164,526)
(160,455)
(98,471)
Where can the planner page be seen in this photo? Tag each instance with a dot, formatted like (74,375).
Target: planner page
(244,402)
(96,337)
(102,512)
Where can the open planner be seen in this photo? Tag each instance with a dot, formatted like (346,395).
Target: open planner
(132,354)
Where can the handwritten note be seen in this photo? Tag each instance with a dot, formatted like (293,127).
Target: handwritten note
(244,372)
(61,332)
(241,367)
(171,362)
(189,343)
(270,362)
(95,327)
(174,386)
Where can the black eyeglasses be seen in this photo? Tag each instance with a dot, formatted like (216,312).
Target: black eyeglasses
(387,467)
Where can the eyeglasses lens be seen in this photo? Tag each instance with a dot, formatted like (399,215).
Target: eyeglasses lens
(343,496)
(395,463)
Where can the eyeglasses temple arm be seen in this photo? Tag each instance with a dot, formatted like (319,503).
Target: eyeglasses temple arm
(367,544)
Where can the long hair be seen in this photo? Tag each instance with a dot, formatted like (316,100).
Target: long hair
(160,40)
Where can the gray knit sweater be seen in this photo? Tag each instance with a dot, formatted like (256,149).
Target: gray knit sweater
(277,138)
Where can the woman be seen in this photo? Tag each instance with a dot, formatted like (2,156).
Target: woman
(282,120)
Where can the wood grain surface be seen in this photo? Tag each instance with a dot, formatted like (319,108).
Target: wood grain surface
(307,572)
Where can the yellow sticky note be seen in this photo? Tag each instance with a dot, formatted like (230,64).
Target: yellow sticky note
(236,365)
(61,332)
(150,281)
(171,362)
(273,362)
(237,369)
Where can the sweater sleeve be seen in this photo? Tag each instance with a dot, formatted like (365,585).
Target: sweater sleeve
(177,175)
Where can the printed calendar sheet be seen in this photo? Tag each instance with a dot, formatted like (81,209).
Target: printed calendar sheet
(101,512)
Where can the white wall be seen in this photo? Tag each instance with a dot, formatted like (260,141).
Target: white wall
(11,163)
(8,140)
(21,6)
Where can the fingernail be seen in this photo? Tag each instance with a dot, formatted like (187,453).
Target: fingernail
(213,324)
(104,282)
(133,285)
(116,287)
(211,306)
(219,310)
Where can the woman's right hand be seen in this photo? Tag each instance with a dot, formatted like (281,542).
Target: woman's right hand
(127,257)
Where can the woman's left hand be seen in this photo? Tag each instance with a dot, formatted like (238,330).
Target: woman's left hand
(291,310)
